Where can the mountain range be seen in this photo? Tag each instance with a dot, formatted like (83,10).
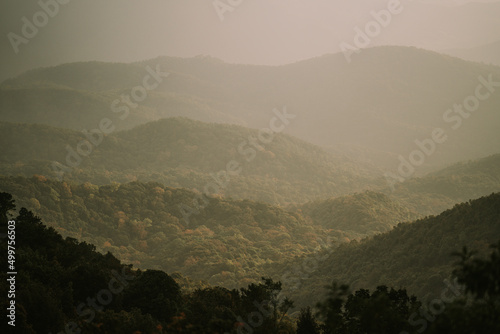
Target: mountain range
(407,93)
(367,173)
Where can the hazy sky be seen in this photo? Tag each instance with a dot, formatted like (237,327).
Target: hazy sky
(255,31)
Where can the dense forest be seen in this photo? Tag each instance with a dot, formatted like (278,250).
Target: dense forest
(68,286)
(361,214)
(414,255)
(441,190)
(180,152)
(191,195)
(226,243)
(183,153)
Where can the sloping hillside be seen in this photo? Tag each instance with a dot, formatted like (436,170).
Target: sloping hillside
(73,108)
(489,53)
(440,190)
(362,214)
(226,243)
(382,102)
(413,255)
(184,153)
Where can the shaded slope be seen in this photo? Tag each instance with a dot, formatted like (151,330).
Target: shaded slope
(184,153)
(360,214)
(414,255)
(383,101)
(460,182)
(141,223)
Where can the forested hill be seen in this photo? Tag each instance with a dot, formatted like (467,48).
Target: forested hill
(63,285)
(400,92)
(415,255)
(489,53)
(66,107)
(361,214)
(179,152)
(224,243)
(57,279)
(440,190)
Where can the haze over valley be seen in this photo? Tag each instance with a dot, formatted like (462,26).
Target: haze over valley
(250,167)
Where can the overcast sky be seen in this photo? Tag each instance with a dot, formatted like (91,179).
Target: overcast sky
(255,31)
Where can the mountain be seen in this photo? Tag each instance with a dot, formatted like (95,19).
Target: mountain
(68,286)
(184,153)
(438,191)
(74,108)
(415,255)
(225,243)
(229,242)
(382,102)
(286,32)
(361,214)
(58,275)
(489,53)
(178,152)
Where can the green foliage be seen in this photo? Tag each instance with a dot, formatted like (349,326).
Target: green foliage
(384,311)
(227,243)
(481,277)
(438,191)
(6,205)
(307,324)
(64,283)
(212,309)
(479,313)
(359,215)
(153,292)
(54,274)
(414,255)
(179,152)
(60,273)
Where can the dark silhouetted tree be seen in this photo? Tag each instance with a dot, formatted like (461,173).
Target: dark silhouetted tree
(307,322)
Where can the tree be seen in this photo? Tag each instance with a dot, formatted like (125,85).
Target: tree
(212,309)
(382,312)
(265,297)
(307,322)
(481,277)
(478,311)
(153,292)
(6,205)
(331,309)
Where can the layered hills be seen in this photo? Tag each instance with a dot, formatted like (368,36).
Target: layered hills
(225,242)
(405,95)
(179,152)
(416,255)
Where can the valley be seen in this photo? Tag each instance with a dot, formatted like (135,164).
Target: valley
(320,196)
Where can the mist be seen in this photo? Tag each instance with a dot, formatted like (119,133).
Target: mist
(232,166)
(256,32)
